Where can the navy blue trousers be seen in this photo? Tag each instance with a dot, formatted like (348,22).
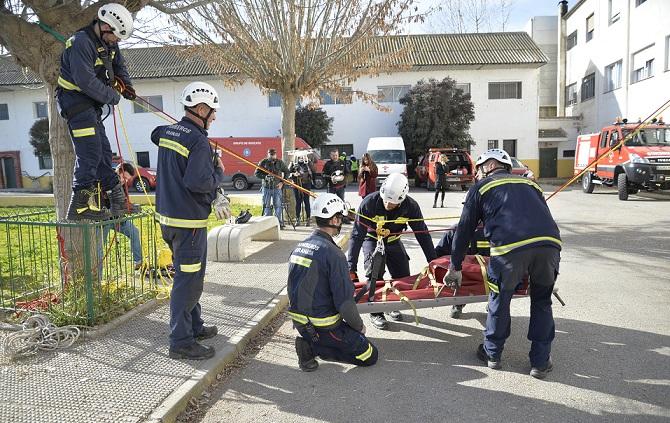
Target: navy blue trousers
(342,344)
(506,272)
(91,147)
(189,257)
(395,258)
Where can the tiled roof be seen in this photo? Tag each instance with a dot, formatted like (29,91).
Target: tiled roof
(432,50)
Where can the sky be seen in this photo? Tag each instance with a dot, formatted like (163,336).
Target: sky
(522,11)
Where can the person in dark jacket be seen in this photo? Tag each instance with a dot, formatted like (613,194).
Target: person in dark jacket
(335,171)
(92,70)
(524,239)
(271,186)
(441,172)
(321,295)
(391,203)
(367,176)
(302,172)
(189,177)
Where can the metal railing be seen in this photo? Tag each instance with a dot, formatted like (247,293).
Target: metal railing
(79,273)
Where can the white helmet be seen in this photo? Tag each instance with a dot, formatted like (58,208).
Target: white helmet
(328,205)
(118,17)
(394,189)
(199,92)
(496,154)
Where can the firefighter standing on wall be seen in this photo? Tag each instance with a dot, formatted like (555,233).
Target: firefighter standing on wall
(92,71)
(321,295)
(391,202)
(524,239)
(189,175)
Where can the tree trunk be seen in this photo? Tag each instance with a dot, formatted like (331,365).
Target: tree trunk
(62,154)
(288,122)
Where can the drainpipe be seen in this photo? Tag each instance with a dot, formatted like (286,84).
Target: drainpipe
(560,71)
(626,65)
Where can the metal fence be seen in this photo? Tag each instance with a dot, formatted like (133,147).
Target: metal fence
(79,273)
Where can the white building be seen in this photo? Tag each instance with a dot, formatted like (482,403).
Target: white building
(500,70)
(617,56)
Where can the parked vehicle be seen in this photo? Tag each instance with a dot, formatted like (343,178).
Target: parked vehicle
(255,149)
(641,163)
(461,173)
(147,174)
(388,154)
(521,169)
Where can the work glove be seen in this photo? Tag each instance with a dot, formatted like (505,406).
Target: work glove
(127,91)
(354,276)
(453,278)
(221,206)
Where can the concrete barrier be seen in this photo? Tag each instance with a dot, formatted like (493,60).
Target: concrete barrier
(228,242)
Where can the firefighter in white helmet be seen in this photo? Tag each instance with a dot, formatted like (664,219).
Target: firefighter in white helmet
(189,177)
(390,203)
(321,295)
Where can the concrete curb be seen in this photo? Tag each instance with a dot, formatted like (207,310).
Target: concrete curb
(177,401)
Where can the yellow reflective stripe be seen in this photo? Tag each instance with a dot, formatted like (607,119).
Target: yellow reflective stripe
(364,356)
(64,83)
(316,321)
(83,132)
(493,287)
(301,261)
(182,223)
(190,268)
(98,62)
(483,244)
(504,181)
(174,146)
(504,249)
(485,276)
(68,42)
(300,318)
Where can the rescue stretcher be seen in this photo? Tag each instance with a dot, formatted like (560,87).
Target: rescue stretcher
(426,289)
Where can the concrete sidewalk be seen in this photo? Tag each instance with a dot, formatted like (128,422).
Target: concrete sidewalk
(125,375)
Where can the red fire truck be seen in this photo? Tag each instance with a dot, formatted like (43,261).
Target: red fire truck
(642,162)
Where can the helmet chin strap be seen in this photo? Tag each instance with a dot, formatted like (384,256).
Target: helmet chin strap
(205,123)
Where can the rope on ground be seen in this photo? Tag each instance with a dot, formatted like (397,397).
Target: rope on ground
(38,334)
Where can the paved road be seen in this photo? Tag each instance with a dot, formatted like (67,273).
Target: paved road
(611,354)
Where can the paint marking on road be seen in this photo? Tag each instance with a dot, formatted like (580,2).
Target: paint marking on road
(265,385)
(659,382)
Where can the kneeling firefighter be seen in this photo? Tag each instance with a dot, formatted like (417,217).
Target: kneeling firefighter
(321,295)
(92,74)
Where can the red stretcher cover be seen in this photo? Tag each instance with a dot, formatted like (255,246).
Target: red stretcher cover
(427,286)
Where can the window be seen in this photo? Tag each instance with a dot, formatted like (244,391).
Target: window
(143,159)
(547,111)
(274,99)
(465,87)
(588,87)
(4,112)
(571,94)
(643,64)
(510,147)
(590,22)
(639,2)
(613,76)
(41,109)
(342,98)
(44,161)
(614,138)
(155,100)
(502,90)
(614,10)
(568,153)
(572,40)
(603,139)
(493,144)
(391,93)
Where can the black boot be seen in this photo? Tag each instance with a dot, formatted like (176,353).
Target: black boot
(306,360)
(194,351)
(117,200)
(207,332)
(85,205)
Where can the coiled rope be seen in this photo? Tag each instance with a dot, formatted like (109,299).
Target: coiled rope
(38,334)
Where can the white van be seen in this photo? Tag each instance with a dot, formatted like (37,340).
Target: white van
(388,154)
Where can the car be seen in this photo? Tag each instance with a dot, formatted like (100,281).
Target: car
(147,174)
(521,169)
(460,164)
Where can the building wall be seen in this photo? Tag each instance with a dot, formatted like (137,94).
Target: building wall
(245,112)
(636,28)
(544,31)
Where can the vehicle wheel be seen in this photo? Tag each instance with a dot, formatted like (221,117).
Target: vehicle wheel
(138,184)
(622,186)
(464,187)
(319,182)
(587,183)
(240,183)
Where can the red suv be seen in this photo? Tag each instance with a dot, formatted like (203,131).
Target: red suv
(462,172)
(148,175)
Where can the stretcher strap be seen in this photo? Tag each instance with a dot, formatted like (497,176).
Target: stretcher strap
(485,276)
(388,287)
